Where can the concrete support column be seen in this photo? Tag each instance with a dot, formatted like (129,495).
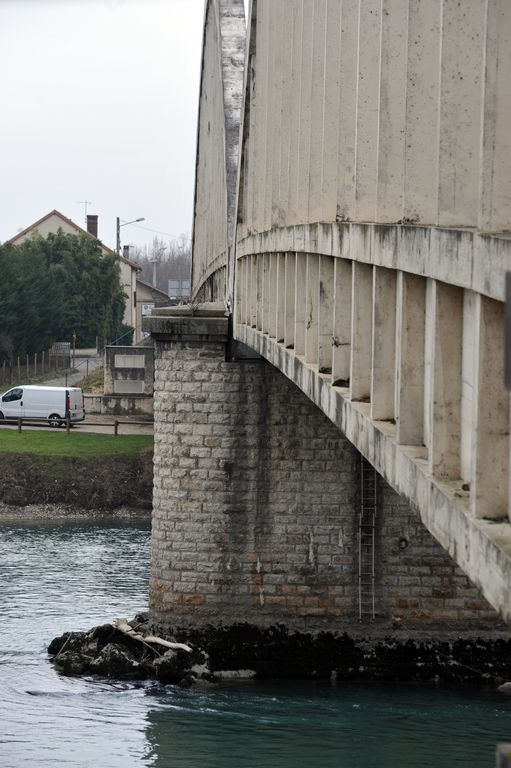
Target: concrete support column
(253,291)
(289,331)
(422,108)
(490,433)
(410,370)
(361,331)
(445,448)
(467,383)
(317,107)
(495,212)
(272,323)
(246,284)
(383,369)
(331,112)
(459,138)
(311,309)
(259,294)
(239,306)
(342,322)
(300,284)
(304,144)
(392,111)
(295,121)
(266,291)
(326,313)
(281,296)
(347,129)
(368,87)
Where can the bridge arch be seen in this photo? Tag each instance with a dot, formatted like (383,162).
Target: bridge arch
(361,248)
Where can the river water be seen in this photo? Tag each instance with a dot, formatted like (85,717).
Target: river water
(57,577)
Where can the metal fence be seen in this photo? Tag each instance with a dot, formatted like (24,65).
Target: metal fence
(22,369)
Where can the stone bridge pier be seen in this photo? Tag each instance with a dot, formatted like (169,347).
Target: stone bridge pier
(261,510)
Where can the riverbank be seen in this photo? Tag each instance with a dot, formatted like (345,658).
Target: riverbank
(60,513)
(243,650)
(86,472)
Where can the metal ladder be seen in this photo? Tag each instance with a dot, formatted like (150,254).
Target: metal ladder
(366,526)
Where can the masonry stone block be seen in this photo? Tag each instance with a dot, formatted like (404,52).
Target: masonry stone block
(257,519)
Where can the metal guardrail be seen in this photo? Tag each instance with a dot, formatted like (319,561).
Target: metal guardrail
(68,423)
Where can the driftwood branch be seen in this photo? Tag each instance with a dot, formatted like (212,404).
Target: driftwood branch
(123,626)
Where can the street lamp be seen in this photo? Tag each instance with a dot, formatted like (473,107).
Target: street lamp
(118,227)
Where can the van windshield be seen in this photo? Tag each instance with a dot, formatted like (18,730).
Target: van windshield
(13,394)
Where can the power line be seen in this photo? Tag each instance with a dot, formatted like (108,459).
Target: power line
(159,232)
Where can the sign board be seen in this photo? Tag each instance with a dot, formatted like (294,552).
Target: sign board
(179,289)
(147,309)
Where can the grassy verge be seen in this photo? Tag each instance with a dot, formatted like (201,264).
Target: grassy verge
(59,443)
(93,383)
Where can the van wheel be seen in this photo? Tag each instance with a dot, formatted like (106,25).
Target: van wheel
(54,420)
(1,416)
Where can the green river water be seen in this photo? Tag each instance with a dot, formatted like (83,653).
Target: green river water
(57,577)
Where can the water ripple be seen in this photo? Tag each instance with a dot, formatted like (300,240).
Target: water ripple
(72,576)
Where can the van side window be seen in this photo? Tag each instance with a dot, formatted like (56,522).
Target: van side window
(14,394)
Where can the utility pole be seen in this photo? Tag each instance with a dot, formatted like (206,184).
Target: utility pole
(74,349)
(154,262)
(118,226)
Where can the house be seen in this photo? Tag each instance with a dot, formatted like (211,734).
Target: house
(148,297)
(55,220)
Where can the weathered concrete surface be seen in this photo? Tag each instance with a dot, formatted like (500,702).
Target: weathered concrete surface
(369,114)
(220,100)
(117,405)
(481,548)
(374,153)
(129,370)
(456,256)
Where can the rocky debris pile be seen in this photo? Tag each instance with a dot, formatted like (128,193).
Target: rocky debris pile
(128,651)
(138,650)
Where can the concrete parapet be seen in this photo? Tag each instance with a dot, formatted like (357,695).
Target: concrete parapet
(204,323)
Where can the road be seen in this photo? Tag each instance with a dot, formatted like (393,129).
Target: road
(86,360)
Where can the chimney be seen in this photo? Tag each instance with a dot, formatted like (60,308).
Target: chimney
(92,225)
(125,251)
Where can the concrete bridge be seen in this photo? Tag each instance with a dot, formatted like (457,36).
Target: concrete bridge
(332,433)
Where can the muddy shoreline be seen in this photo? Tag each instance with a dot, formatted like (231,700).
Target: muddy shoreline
(51,513)
(109,483)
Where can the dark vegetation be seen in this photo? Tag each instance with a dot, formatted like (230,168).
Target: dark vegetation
(59,443)
(53,287)
(84,481)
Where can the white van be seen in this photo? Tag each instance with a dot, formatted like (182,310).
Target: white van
(51,403)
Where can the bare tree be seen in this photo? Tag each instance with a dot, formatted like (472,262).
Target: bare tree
(171,260)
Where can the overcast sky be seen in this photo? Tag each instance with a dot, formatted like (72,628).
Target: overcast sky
(99,102)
